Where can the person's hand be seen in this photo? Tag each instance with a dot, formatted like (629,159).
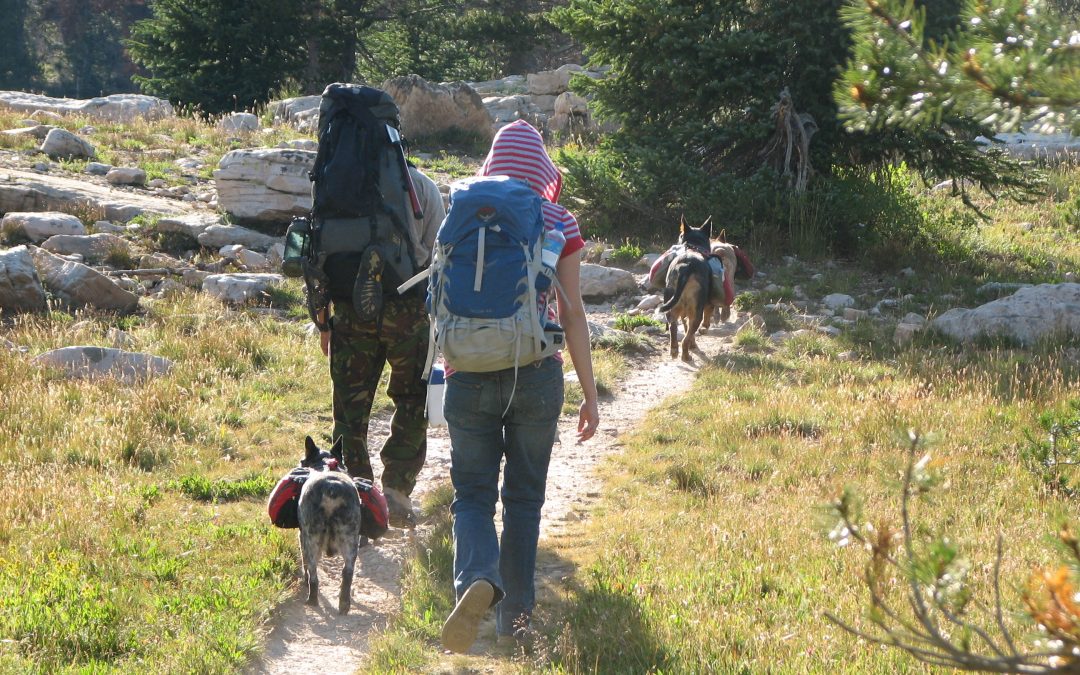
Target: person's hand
(324,342)
(588,420)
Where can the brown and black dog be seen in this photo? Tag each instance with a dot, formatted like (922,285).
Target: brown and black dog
(686,288)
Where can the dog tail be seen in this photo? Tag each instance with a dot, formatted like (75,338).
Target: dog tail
(680,285)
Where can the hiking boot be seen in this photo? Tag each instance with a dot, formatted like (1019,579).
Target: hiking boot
(400,507)
(367,290)
(461,627)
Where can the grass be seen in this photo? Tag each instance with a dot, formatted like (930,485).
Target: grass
(133,536)
(627,253)
(728,571)
(628,322)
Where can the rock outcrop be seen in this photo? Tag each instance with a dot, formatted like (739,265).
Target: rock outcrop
(122,108)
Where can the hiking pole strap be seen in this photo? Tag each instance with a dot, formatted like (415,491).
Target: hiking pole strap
(429,360)
(413,280)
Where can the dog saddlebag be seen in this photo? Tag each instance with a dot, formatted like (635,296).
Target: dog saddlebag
(658,271)
(375,518)
(285,498)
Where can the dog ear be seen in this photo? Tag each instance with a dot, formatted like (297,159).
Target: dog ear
(707,226)
(311,450)
(336,450)
(722,237)
(682,225)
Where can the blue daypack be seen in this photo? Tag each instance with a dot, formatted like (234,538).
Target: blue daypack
(486,278)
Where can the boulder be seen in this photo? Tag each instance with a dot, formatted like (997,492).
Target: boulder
(429,109)
(20,289)
(598,281)
(92,362)
(265,184)
(62,144)
(77,285)
(1026,316)
(39,226)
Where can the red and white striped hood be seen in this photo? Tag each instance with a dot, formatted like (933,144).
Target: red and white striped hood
(518,151)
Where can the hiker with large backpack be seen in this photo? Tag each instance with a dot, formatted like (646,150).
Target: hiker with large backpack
(372,226)
(490,278)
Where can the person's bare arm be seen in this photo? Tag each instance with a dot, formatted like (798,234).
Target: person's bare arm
(574,322)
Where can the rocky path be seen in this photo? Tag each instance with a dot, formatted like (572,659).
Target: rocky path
(316,640)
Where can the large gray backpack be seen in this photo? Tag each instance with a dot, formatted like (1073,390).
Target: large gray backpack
(362,195)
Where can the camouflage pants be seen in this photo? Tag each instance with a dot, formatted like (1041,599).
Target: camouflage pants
(358,352)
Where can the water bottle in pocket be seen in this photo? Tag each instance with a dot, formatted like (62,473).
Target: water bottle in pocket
(435,389)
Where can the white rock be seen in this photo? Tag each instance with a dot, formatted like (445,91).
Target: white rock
(39,226)
(77,285)
(91,362)
(20,288)
(239,288)
(836,301)
(1026,316)
(62,144)
(598,281)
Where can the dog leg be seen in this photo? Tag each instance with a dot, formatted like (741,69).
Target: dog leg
(689,342)
(725,313)
(347,569)
(309,551)
(673,335)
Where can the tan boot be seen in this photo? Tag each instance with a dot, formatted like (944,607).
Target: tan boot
(461,627)
(400,507)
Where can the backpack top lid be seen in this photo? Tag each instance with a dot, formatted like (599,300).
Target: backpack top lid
(485,201)
(342,96)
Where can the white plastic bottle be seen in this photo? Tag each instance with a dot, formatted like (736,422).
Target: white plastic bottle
(554,240)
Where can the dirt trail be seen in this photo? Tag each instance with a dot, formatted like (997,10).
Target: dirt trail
(309,640)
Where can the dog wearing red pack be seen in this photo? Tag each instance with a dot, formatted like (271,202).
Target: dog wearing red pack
(336,515)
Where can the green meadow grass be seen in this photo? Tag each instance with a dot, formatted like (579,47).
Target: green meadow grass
(133,535)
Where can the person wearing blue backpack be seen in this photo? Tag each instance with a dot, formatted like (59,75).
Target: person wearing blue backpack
(511,413)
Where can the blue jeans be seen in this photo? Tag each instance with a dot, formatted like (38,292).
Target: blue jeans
(480,437)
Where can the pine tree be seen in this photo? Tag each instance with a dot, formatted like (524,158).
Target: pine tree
(219,55)
(1007,63)
(17,67)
